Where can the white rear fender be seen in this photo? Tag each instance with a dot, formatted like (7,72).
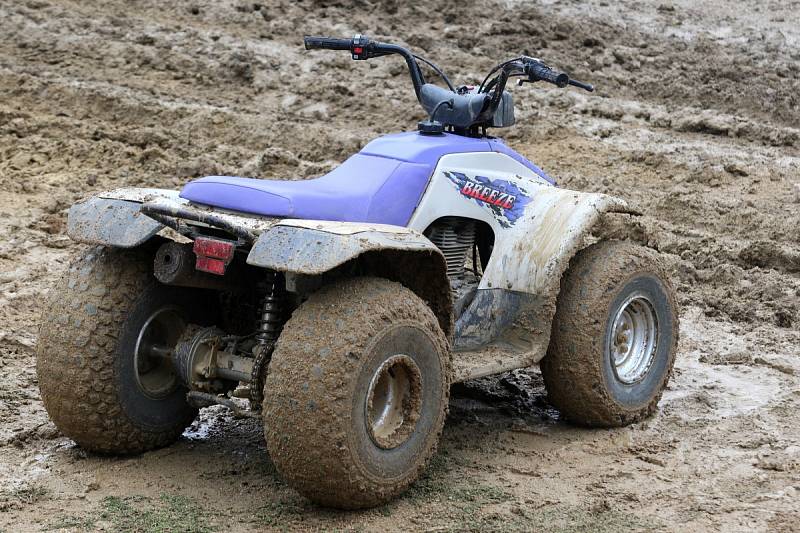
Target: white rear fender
(314,247)
(325,251)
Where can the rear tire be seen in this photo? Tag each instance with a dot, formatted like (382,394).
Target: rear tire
(614,336)
(99,388)
(356,393)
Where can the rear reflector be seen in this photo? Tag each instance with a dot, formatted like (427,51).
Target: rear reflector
(211,265)
(218,249)
(213,255)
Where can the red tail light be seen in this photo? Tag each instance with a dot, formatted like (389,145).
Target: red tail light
(213,255)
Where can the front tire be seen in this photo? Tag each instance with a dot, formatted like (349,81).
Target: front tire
(101,382)
(356,393)
(614,336)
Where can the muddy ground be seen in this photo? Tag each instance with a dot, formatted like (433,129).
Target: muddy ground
(695,120)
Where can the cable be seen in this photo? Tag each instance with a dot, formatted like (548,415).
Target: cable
(491,84)
(495,69)
(448,103)
(437,70)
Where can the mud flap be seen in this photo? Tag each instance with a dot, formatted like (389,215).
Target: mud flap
(110,222)
(315,247)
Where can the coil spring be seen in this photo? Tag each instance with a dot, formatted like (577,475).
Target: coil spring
(270,324)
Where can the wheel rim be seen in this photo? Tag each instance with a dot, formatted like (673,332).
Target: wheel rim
(152,359)
(394,401)
(633,340)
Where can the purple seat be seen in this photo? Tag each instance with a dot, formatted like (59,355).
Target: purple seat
(383,183)
(362,189)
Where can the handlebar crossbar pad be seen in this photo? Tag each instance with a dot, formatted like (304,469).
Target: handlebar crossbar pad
(465,111)
(326,43)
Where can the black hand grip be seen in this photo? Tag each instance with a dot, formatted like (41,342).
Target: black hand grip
(326,43)
(585,86)
(545,73)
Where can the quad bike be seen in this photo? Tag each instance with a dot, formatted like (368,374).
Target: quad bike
(341,309)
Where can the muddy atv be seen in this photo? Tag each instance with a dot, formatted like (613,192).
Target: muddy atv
(341,309)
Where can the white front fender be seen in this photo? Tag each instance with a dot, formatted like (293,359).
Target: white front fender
(532,254)
(517,295)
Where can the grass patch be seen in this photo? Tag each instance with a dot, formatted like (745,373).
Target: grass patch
(171,513)
(23,495)
(30,493)
(73,523)
(138,514)
(280,513)
(461,499)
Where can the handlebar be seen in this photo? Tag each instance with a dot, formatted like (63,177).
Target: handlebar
(464,110)
(326,43)
(537,70)
(540,71)
(362,48)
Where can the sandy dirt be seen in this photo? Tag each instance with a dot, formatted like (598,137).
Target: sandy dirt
(695,120)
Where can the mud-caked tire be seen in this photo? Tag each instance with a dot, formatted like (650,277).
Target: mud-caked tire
(614,336)
(356,393)
(92,322)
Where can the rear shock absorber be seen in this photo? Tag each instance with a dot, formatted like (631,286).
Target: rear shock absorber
(270,323)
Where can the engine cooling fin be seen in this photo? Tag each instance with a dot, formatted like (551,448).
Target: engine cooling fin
(455,237)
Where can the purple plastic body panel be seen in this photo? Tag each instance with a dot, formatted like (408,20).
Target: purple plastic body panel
(411,146)
(497,145)
(383,183)
(425,149)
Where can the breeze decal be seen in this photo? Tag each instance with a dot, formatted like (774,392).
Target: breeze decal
(505,199)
